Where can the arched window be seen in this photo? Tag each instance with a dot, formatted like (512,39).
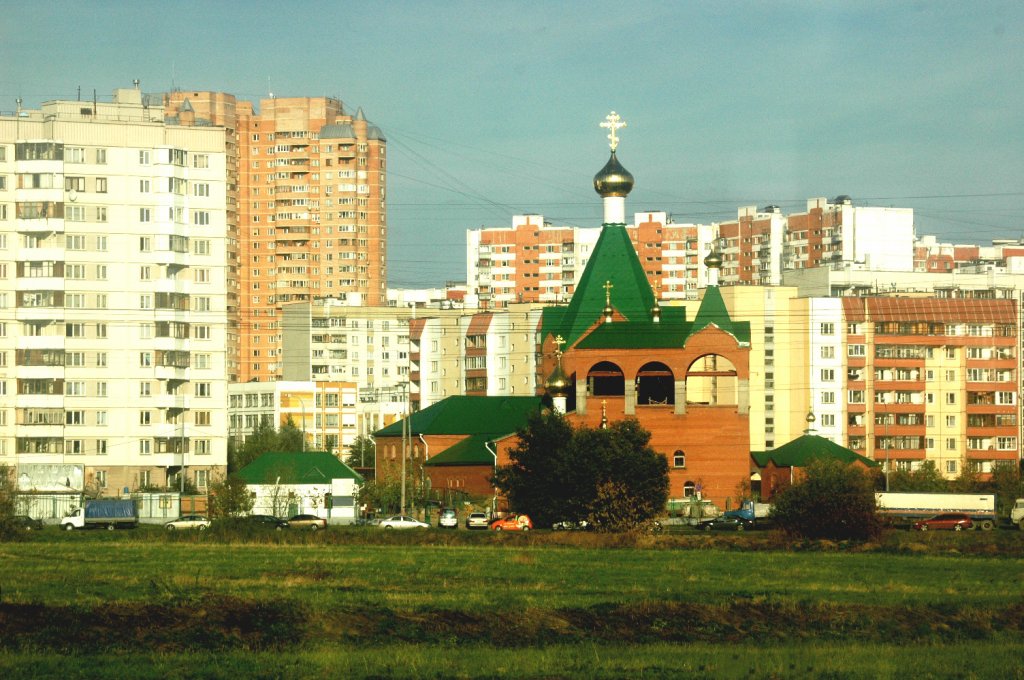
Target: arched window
(655,385)
(689,489)
(711,380)
(606,379)
(679,459)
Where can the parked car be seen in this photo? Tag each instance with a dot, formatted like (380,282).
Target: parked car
(200,522)
(311,522)
(449,519)
(727,524)
(569,525)
(268,521)
(27,523)
(512,523)
(956,521)
(402,522)
(477,520)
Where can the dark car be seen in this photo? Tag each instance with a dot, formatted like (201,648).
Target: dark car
(26,523)
(727,524)
(955,521)
(311,522)
(268,521)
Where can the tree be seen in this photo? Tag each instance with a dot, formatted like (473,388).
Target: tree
(559,473)
(8,504)
(230,497)
(925,478)
(361,452)
(1007,485)
(833,500)
(264,439)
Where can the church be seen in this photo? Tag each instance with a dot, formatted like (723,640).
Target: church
(613,352)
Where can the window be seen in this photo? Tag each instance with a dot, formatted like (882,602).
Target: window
(145,244)
(145,389)
(950,421)
(101,214)
(202,476)
(203,389)
(74,183)
(828,375)
(101,447)
(143,157)
(828,351)
(200,160)
(679,459)
(201,332)
(101,478)
(74,417)
(203,418)
(951,443)
(828,420)
(200,218)
(689,489)
(201,247)
(200,189)
(951,467)
(828,397)
(145,448)
(202,447)
(828,328)
(101,185)
(145,359)
(950,398)
(145,417)
(101,158)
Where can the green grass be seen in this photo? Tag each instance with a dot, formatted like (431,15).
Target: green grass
(434,604)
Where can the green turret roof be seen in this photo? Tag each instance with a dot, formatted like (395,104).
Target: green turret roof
(312,467)
(614,260)
(713,312)
(803,450)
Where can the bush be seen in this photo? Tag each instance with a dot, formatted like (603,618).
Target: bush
(833,501)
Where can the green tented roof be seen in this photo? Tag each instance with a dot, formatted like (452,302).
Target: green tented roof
(492,416)
(470,451)
(614,259)
(312,467)
(713,312)
(671,331)
(802,450)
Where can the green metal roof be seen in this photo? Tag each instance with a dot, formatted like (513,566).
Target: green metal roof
(470,451)
(492,416)
(671,331)
(802,450)
(614,259)
(312,467)
(713,311)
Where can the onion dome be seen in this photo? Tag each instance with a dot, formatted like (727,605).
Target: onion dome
(613,180)
(713,260)
(557,384)
(656,312)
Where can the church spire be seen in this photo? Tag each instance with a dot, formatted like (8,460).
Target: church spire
(613,182)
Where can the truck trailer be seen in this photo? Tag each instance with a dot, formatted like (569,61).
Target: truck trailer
(103,513)
(904,508)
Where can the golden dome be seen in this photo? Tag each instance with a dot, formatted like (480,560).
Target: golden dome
(613,180)
(557,384)
(713,260)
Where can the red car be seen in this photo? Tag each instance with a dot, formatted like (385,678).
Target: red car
(512,523)
(957,521)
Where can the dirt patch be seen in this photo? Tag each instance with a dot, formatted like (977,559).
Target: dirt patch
(229,623)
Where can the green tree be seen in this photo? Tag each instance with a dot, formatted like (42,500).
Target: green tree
(968,481)
(361,452)
(557,472)
(230,497)
(1008,485)
(924,479)
(8,504)
(833,500)
(264,439)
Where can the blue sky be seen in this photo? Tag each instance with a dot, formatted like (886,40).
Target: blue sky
(492,108)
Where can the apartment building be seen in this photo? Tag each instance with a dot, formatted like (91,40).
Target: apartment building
(533,261)
(311,213)
(114,296)
(325,412)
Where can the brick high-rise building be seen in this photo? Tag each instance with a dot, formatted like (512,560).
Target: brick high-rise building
(311,213)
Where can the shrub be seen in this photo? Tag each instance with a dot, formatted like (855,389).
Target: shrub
(833,501)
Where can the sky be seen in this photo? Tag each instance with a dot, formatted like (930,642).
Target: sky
(492,109)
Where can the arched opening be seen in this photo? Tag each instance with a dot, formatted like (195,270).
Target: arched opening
(605,379)
(679,459)
(711,380)
(570,399)
(689,489)
(655,385)
(755,486)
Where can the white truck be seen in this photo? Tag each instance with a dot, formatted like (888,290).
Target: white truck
(103,513)
(1017,513)
(904,508)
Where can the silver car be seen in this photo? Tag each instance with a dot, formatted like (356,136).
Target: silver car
(200,522)
(477,520)
(402,522)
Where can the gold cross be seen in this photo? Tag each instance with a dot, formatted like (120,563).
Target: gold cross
(559,341)
(613,122)
(608,292)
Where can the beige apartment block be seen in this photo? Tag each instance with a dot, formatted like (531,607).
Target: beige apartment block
(114,297)
(312,221)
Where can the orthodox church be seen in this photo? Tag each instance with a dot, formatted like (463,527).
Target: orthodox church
(613,352)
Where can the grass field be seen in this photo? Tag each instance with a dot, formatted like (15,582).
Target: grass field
(360,603)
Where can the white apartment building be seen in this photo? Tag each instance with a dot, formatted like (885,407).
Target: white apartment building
(113,296)
(325,412)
